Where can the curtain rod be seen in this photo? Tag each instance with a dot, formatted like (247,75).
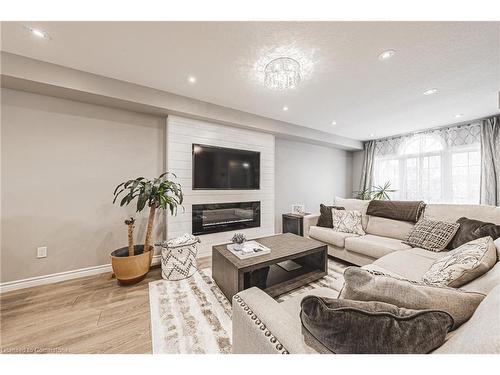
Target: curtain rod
(458,124)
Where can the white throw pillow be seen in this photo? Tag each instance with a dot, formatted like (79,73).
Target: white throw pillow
(497,244)
(463,264)
(347,221)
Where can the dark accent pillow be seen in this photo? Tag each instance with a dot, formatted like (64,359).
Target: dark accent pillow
(325,218)
(432,235)
(365,285)
(357,327)
(471,229)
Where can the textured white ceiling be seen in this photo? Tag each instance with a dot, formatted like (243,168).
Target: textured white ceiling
(346,82)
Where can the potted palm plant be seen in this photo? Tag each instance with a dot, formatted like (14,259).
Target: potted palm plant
(131,263)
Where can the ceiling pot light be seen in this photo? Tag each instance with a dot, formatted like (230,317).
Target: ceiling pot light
(458,115)
(285,108)
(191,79)
(386,54)
(372,135)
(38,33)
(334,122)
(282,73)
(430,92)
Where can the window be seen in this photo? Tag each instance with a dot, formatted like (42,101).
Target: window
(424,168)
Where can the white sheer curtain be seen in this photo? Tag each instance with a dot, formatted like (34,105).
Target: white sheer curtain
(437,166)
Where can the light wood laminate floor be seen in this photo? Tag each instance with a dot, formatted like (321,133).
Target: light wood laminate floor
(87,315)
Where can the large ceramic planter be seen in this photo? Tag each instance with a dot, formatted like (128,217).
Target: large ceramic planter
(130,270)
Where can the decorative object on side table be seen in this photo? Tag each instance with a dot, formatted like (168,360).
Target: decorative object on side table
(298,209)
(178,257)
(131,264)
(293,223)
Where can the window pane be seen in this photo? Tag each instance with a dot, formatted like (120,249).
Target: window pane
(425,169)
(465,175)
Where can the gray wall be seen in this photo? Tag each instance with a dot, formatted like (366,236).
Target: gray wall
(60,163)
(309,174)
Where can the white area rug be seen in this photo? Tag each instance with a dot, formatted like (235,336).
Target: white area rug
(192,316)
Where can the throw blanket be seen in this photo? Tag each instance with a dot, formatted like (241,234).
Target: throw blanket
(396,210)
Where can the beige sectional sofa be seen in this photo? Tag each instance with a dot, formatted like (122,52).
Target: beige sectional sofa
(262,325)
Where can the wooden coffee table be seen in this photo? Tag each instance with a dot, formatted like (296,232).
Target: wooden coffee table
(233,274)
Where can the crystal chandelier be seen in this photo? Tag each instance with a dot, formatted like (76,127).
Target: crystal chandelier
(282,73)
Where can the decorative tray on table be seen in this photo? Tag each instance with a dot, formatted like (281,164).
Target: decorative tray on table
(249,249)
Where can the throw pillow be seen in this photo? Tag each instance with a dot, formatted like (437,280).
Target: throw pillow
(471,229)
(463,264)
(357,327)
(325,218)
(431,235)
(347,221)
(364,285)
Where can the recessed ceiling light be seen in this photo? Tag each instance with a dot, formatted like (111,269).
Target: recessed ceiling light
(191,79)
(38,33)
(386,55)
(458,115)
(430,91)
(285,108)
(372,135)
(334,122)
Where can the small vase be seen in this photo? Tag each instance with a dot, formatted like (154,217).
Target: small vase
(237,246)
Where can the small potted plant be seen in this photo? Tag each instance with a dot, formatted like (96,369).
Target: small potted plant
(131,264)
(238,241)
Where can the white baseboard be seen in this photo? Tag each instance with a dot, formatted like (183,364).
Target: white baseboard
(61,276)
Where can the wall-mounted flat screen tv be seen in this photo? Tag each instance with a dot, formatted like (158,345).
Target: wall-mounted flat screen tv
(225,168)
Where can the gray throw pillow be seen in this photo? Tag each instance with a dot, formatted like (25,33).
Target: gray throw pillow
(364,285)
(325,217)
(463,264)
(354,327)
(433,235)
(471,229)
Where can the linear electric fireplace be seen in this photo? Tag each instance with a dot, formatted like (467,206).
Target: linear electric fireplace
(222,217)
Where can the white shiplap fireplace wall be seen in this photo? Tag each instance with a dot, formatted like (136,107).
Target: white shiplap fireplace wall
(181,134)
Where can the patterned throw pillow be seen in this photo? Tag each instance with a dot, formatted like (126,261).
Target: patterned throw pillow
(431,235)
(463,264)
(347,221)
(325,218)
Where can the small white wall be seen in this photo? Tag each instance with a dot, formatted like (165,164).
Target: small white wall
(309,174)
(181,134)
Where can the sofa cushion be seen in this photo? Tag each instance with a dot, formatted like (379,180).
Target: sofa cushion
(347,221)
(354,205)
(363,285)
(325,215)
(452,212)
(374,246)
(329,236)
(471,229)
(410,264)
(432,235)
(497,245)
(357,327)
(292,305)
(481,334)
(381,226)
(463,264)
(485,283)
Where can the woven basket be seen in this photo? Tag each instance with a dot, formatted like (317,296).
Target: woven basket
(179,262)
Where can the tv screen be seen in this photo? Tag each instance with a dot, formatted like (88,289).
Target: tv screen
(225,168)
